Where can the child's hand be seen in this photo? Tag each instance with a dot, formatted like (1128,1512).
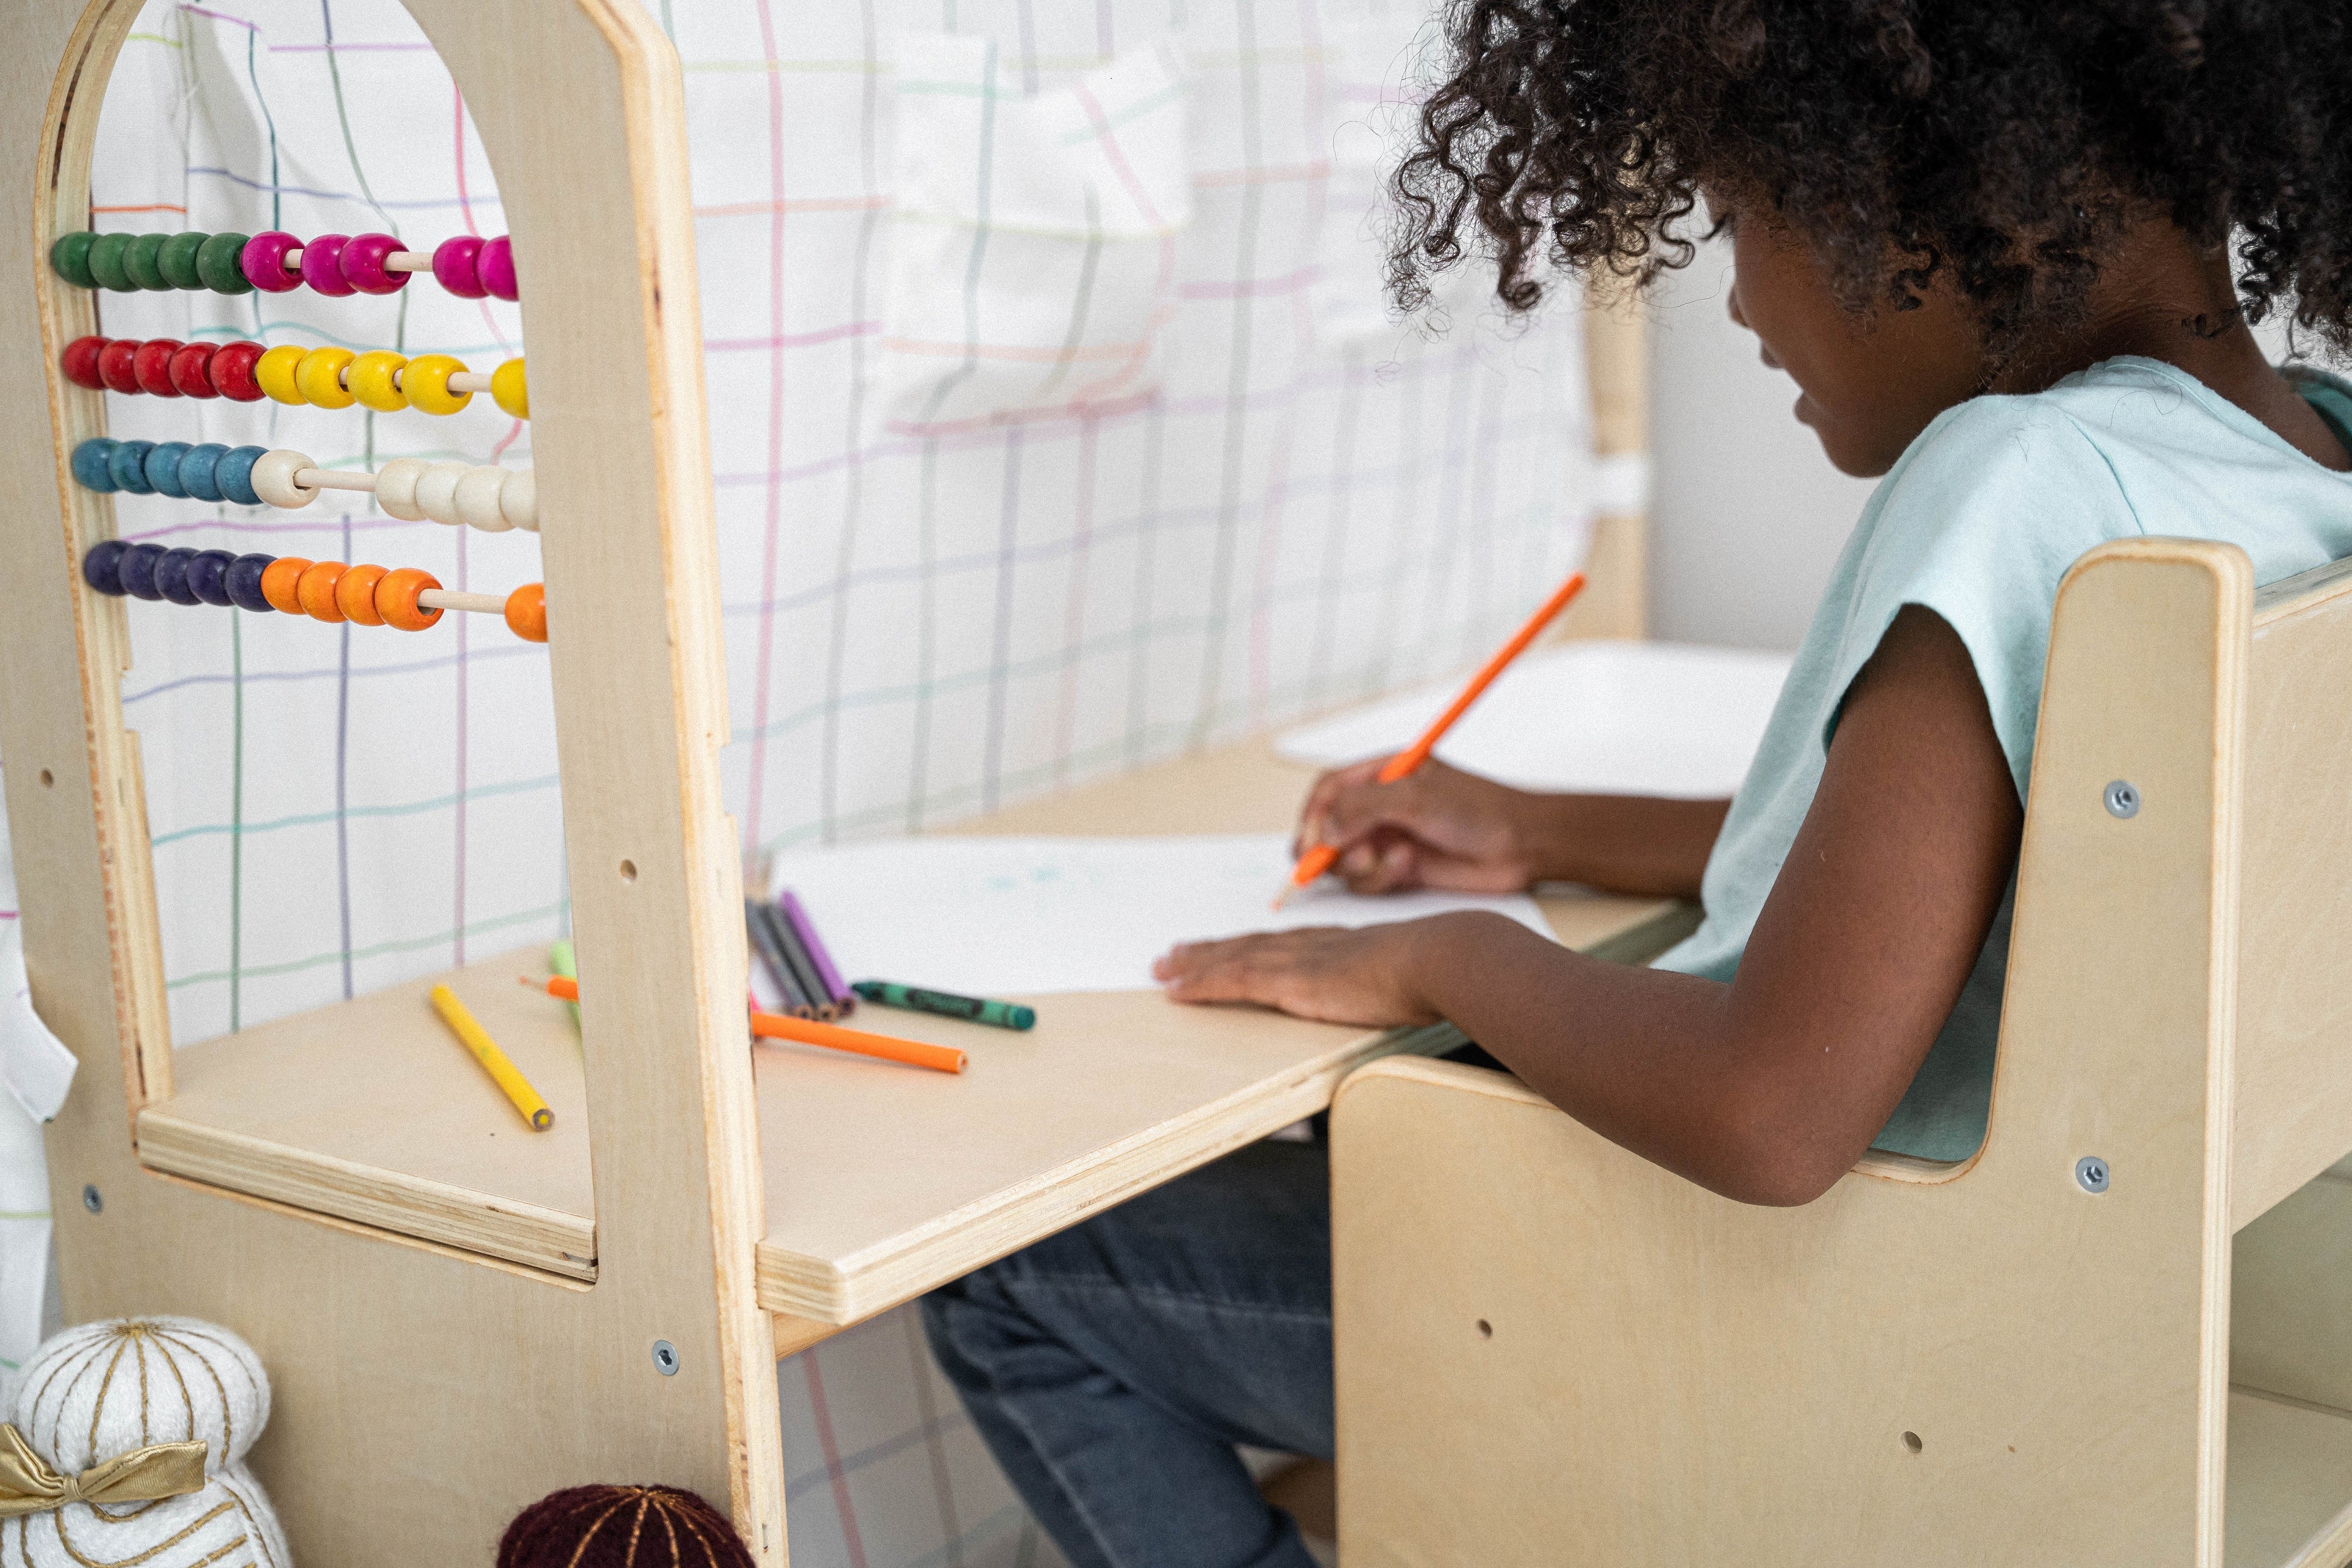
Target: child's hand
(1436,827)
(1328,973)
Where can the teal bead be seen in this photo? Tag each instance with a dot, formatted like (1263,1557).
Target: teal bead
(216,264)
(233,475)
(127,464)
(198,467)
(69,258)
(92,468)
(105,260)
(138,261)
(177,260)
(161,468)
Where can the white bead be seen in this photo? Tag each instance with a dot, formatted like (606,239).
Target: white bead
(520,500)
(395,488)
(273,479)
(476,499)
(436,491)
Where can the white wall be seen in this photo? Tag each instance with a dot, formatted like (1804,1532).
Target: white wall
(1748,516)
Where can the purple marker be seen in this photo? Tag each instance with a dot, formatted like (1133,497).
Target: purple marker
(805,929)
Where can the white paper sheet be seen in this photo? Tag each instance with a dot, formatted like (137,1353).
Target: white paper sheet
(1006,917)
(1610,718)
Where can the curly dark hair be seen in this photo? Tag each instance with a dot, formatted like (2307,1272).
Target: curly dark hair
(2003,142)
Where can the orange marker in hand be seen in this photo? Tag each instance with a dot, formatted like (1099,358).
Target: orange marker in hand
(808,1032)
(1320,857)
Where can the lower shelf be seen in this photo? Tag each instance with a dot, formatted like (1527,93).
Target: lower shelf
(2290,1480)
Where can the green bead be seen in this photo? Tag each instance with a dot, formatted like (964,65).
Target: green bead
(217,268)
(139,259)
(70,257)
(105,258)
(177,260)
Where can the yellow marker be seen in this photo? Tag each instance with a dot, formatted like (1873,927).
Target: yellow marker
(494,1060)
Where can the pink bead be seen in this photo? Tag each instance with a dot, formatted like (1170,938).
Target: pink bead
(322,265)
(363,264)
(495,267)
(453,266)
(263,262)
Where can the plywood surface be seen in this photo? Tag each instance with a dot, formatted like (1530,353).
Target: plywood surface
(373,1111)
(880,1181)
(2290,1477)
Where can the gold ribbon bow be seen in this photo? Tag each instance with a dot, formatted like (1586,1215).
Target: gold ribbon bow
(28,1485)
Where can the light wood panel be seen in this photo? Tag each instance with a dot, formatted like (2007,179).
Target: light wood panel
(2294,1028)
(421,1396)
(2290,1480)
(1552,1351)
(2291,1298)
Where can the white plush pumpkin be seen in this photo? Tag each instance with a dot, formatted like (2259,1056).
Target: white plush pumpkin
(97,1391)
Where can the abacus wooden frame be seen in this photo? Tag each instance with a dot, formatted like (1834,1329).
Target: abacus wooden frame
(425,1394)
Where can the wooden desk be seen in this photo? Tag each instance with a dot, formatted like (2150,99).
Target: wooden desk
(881,1181)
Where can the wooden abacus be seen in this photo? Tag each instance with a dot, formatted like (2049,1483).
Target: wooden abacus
(478,1382)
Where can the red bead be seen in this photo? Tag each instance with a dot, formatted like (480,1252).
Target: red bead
(80,363)
(114,365)
(231,372)
(151,365)
(190,371)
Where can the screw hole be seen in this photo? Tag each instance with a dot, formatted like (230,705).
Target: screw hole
(47,778)
(665,1358)
(92,1200)
(1485,1330)
(628,870)
(1911,1441)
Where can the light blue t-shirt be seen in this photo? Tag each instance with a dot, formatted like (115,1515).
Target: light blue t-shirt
(1978,521)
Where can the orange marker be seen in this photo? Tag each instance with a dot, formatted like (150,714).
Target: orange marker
(808,1032)
(1320,857)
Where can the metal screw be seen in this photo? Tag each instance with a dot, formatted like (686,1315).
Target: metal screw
(92,1200)
(2122,798)
(665,1358)
(2091,1173)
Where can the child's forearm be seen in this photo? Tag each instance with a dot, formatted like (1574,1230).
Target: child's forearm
(1624,843)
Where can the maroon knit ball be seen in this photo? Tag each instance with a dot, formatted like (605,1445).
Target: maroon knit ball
(622,1527)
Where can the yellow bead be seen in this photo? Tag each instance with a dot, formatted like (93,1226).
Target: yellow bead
(274,372)
(369,380)
(506,387)
(427,383)
(319,377)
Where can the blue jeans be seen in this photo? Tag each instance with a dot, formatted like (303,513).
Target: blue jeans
(1113,1367)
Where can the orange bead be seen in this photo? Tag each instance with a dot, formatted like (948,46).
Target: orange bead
(355,595)
(527,611)
(395,598)
(278,583)
(316,590)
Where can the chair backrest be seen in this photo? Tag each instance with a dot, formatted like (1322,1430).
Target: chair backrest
(2292,1116)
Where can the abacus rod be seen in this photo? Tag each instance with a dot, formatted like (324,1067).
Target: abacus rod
(451,599)
(397,261)
(333,479)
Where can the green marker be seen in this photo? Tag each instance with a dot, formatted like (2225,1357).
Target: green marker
(946,1004)
(559,962)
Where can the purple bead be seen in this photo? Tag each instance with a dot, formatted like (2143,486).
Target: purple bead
(243,583)
(135,571)
(453,266)
(495,267)
(322,265)
(363,264)
(102,567)
(263,262)
(208,576)
(172,576)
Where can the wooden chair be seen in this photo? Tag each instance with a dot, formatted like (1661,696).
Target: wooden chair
(1553,1351)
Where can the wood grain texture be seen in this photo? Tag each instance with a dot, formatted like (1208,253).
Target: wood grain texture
(2294,1031)
(2290,1475)
(468,1383)
(2291,1298)
(1551,1350)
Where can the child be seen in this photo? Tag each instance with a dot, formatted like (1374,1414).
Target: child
(2007,251)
